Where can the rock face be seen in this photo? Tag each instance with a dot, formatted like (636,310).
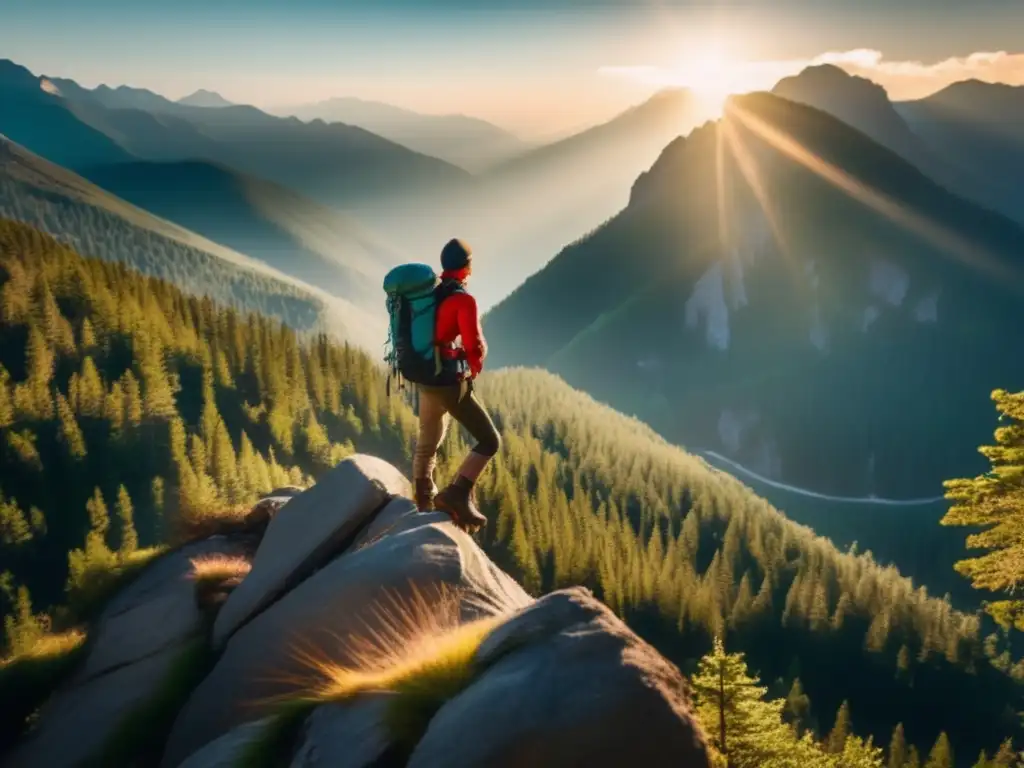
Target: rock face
(134,647)
(267,657)
(346,570)
(565,682)
(307,529)
(345,736)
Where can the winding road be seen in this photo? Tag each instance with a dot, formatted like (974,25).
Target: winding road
(814,494)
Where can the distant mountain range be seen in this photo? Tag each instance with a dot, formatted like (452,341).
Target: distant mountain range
(467,142)
(529,207)
(204,98)
(968,136)
(979,127)
(335,164)
(96,223)
(264,220)
(515,214)
(788,292)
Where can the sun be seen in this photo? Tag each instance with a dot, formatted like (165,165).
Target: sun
(711,73)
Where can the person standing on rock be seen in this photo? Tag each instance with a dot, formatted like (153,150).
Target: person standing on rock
(457,319)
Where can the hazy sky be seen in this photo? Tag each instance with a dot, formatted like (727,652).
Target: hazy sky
(532,65)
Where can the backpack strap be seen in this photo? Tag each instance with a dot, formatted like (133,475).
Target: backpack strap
(445,289)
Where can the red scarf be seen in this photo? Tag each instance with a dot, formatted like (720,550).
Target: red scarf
(456,274)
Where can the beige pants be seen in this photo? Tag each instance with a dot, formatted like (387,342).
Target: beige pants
(437,406)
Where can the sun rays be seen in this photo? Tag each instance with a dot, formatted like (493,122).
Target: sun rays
(740,130)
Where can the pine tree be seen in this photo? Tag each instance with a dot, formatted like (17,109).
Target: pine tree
(6,399)
(941,755)
(70,432)
(798,707)
(157,386)
(129,539)
(730,704)
(90,390)
(23,629)
(113,407)
(994,501)
(99,519)
(14,528)
(898,748)
(132,399)
(840,730)
(38,402)
(88,337)
(860,753)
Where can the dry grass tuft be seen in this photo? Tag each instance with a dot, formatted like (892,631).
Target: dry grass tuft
(48,647)
(414,647)
(218,568)
(216,576)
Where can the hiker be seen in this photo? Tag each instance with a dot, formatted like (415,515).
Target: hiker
(444,373)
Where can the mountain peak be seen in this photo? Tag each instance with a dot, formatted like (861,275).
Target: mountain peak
(13,75)
(827,76)
(204,98)
(974,92)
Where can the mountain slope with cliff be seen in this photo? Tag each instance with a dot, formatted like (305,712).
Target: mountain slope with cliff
(781,251)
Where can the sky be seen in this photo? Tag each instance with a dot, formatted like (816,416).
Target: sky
(537,67)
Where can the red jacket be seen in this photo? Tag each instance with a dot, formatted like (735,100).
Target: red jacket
(457,317)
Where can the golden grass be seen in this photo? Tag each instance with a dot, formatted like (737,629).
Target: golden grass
(141,557)
(415,649)
(49,646)
(219,567)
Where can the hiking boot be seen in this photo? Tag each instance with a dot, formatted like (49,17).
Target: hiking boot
(424,494)
(457,500)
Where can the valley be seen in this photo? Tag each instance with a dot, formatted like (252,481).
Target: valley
(740,357)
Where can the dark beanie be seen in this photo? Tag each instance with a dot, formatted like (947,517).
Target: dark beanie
(455,255)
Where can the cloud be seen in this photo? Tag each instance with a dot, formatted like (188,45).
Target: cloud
(902,79)
(914,79)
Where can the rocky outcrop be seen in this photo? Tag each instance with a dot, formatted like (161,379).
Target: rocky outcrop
(348,580)
(134,649)
(267,657)
(308,529)
(565,682)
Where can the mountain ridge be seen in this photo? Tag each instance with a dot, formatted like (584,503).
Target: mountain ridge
(38,192)
(469,142)
(335,164)
(916,130)
(204,98)
(837,288)
(264,220)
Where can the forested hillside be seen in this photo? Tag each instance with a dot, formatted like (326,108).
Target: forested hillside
(265,221)
(131,413)
(85,217)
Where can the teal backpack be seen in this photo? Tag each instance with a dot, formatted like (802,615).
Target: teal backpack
(414,292)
